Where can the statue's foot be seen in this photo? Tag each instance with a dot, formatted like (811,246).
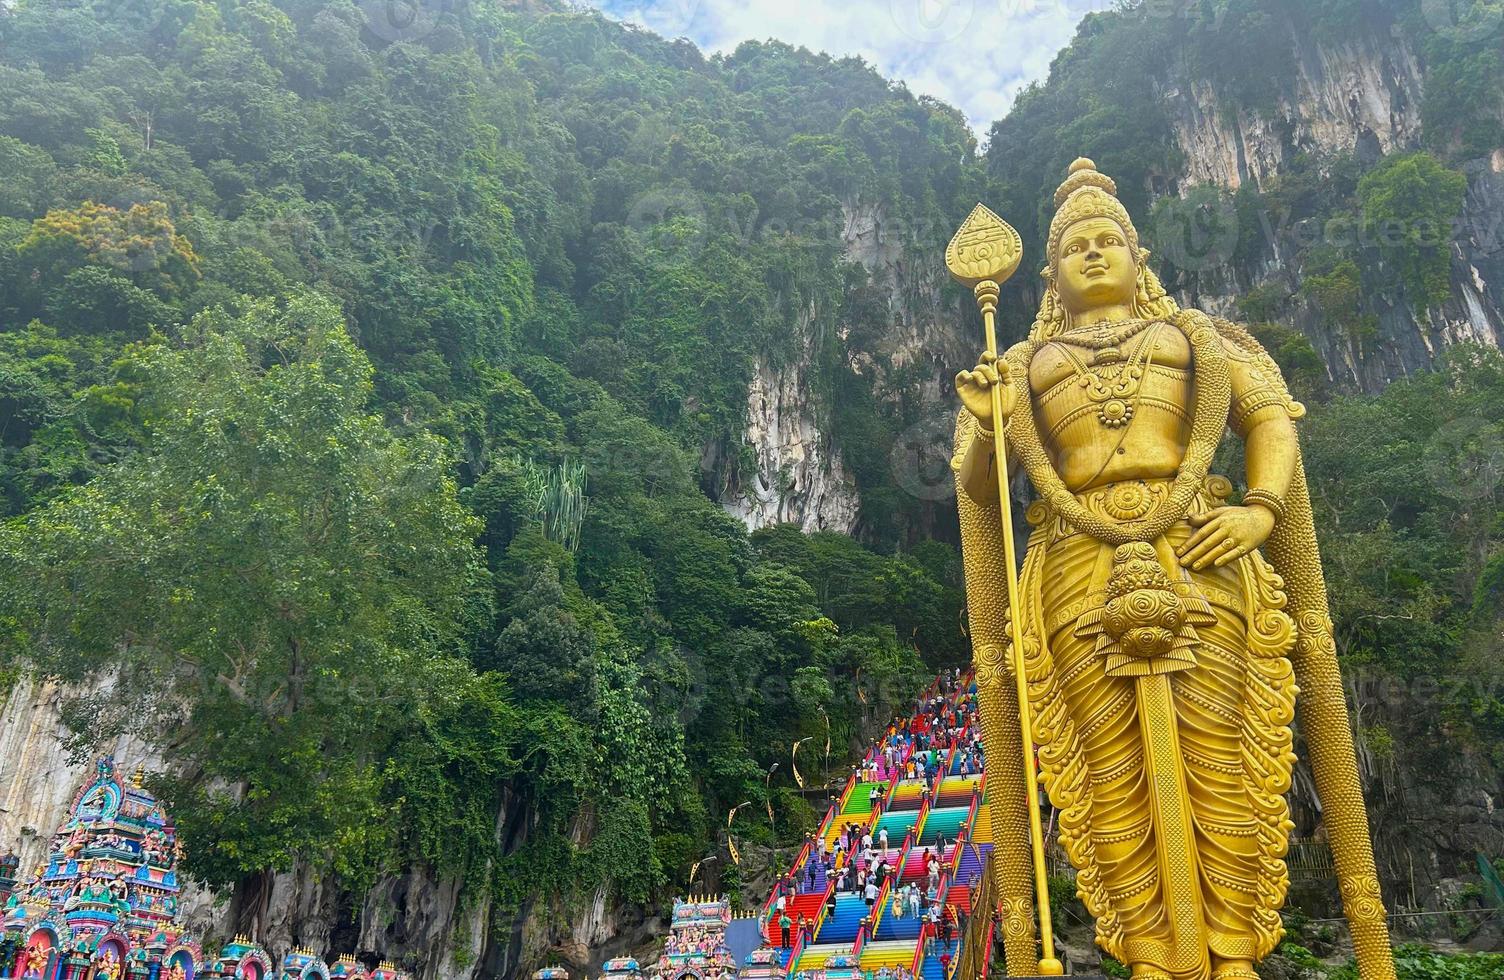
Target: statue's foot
(1149,973)
(1234,970)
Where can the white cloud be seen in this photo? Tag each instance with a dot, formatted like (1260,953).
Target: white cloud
(974,54)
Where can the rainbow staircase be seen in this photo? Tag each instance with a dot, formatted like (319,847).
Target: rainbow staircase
(953,808)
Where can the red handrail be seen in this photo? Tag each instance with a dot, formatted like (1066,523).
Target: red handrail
(924,814)
(795,953)
(767,908)
(830,887)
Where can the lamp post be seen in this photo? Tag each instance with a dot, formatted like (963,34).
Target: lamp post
(767,794)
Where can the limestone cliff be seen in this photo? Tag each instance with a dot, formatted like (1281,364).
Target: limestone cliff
(907,341)
(1359,97)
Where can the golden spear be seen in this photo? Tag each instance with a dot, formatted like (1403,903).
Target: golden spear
(984,254)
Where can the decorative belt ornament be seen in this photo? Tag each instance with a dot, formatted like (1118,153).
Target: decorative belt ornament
(1148,624)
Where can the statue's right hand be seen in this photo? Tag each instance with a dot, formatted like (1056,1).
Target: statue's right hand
(975,388)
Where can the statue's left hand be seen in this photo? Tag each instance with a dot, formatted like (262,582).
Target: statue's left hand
(1225,534)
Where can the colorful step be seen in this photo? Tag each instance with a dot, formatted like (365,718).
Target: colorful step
(876,955)
(842,925)
(946,823)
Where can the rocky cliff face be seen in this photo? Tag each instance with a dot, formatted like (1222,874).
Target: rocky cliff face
(1361,97)
(798,474)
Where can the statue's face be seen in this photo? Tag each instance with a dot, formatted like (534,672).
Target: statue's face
(1095,266)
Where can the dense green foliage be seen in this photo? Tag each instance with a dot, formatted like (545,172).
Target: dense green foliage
(466,559)
(361,398)
(1415,962)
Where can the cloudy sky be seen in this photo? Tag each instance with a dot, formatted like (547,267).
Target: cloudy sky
(975,54)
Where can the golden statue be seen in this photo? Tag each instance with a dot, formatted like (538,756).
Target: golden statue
(1162,632)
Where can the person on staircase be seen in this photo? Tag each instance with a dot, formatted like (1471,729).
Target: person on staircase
(784,924)
(947,924)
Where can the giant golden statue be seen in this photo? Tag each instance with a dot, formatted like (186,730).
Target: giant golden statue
(1164,631)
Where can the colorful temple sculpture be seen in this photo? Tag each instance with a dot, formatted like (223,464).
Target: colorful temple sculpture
(696,946)
(242,959)
(106,903)
(761,964)
(10,868)
(622,968)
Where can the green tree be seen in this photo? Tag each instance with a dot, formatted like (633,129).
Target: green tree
(273,585)
(1410,203)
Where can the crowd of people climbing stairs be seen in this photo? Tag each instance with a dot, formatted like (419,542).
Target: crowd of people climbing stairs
(882,891)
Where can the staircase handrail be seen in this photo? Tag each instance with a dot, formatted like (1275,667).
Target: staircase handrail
(881,905)
(967,839)
(924,814)
(974,950)
(766,913)
(767,908)
(918,963)
(795,953)
(986,950)
(833,811)
(851,782)
(824,913)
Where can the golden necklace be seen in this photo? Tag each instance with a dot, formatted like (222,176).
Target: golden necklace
(1213,396)
(1105,338)
(1111,383)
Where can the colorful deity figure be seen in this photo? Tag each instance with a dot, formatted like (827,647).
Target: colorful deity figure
(1164,629)
(36,961)
(75,842)
(108,966)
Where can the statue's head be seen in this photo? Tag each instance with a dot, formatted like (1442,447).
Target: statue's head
(1095,259)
